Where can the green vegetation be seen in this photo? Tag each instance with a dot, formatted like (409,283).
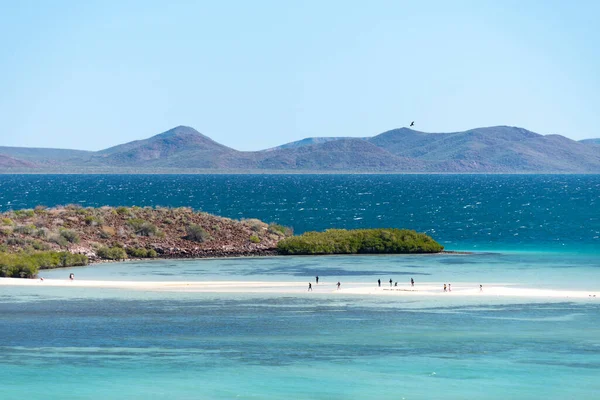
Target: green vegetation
(142,227)
(280,229)
(255,224)
(112,253)
(27,264)
(39,245)
(23,213)
(196,233)
(360,241)
(93,220)
(137,252)
(70,235)
(122,210)
(24,229)
(59,240)
(254,239)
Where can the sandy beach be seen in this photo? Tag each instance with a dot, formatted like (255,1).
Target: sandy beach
(432,289)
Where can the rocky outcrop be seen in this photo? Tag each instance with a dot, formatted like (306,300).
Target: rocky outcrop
(171,233)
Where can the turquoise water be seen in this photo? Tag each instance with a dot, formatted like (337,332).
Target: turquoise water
(463,212)
(73,343)
(538,231)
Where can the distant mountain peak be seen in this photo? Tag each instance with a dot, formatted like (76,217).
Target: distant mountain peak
(180,130)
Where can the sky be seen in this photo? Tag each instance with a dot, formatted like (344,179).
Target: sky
(256,74)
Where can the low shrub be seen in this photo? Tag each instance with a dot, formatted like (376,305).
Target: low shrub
(42,233)
(122,210)
(16,241)
(137,252)
(70,235)
(58,239)
(24,229)
(142,227)
(196,233)
(111,253)
(38,245)
(93,220)
(40,210)
(280,230)
(254,239)
(255,224)
(24,213)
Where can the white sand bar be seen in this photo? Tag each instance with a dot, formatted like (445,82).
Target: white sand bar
(433,289)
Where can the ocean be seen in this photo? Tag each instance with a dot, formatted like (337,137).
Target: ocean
(526,231)
(463,212)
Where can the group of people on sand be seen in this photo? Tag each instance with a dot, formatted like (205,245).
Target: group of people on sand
(412,282)
(447,286)
(317,282)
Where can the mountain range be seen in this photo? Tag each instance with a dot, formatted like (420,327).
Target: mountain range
(499,149)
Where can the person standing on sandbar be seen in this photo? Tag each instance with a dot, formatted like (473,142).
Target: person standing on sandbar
(309,287)
(390,282)
(317,279)
(412,282)
(379,282)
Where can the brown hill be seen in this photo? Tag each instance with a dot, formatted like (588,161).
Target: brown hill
(179,147)
(9,162)
(178,232)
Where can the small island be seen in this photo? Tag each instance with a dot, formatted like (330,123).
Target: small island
(44,238)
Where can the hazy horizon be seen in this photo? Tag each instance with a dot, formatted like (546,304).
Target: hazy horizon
(253,76)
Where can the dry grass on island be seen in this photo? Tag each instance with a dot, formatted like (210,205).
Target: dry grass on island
(72,235)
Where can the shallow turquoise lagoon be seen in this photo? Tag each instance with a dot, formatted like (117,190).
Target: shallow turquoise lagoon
(75,343)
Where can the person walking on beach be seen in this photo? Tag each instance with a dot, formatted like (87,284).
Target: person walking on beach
(390,282)
(338,285)
(449,287)
(412,282)
(317,279)
(481,288)
(379,282)
(445,288)
(309,287)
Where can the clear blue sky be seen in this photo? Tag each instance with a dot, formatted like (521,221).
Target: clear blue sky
(255,74)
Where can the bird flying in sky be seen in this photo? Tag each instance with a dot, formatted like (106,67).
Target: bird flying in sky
(412,123)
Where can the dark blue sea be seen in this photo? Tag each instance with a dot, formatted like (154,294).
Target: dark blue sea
(463,212)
